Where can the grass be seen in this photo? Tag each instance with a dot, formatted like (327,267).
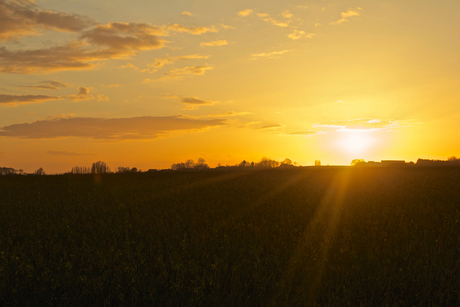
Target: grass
(297,237)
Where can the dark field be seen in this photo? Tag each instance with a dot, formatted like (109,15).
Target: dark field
(297,237)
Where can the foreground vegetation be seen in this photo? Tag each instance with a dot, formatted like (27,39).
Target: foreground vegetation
(292,237)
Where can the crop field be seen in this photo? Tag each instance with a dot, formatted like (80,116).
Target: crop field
(296,237)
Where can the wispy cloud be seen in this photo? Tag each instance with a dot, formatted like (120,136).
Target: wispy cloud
(189,70)
(159,62)
(181,73)
(214,43)
(47,85)
(128,65)
(269,54)
(115,40)
(192,30)
(267,18)
(225,114)
(114,129)
(303,132)
(81,95)
(363,124)
(245,12)
(69,153)
(186,13)
(299,34)
(346,15)
(274,126)
(13,100)
(20,18)
(126,36)
(193,102)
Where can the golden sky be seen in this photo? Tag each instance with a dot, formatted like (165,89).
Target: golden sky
(151,83)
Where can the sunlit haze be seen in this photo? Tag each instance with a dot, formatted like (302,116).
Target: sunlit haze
(150,83)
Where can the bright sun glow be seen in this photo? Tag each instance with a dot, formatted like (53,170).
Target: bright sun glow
(356,142)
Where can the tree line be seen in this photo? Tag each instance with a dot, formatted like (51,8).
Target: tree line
(101,167)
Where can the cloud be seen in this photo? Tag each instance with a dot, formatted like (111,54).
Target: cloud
(102,98)
(299,34)
(303,132)
(362,124)
(68,153)
(270,54)
(20,18)
(193,102)
(70,56)
(345,15)
(48,85)
(159,62)
(192,70)
(149,70)
(214,43)
(245,12)
(115,40)
(167,96)
(113,85)
(14,100)
(226,26)
(186,13)
(275,126)
(82,95)
(228,113)
(181,72)
(129,65)
(192,30)
(126,36)
(267,18)
(287,15)
(134,128)
(225,114)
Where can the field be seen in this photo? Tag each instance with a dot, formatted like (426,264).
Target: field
(297,237)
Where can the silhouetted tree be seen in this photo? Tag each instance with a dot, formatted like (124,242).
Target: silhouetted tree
(7,171)
(201,165)
(243,164)
(80,170)
(134,170)
(317,163)
(189,163)
(122,169)
(178,166)
(356,161)
(267,163)
(286,161)
(99,167)
(39,171)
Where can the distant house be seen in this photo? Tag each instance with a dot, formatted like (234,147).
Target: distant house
(427,162)
(393,163)
(384,163)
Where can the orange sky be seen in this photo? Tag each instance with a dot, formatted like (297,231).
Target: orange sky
(150,84)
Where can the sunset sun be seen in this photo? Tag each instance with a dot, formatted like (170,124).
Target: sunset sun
(356,142)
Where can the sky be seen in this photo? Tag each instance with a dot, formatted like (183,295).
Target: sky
(150,83)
